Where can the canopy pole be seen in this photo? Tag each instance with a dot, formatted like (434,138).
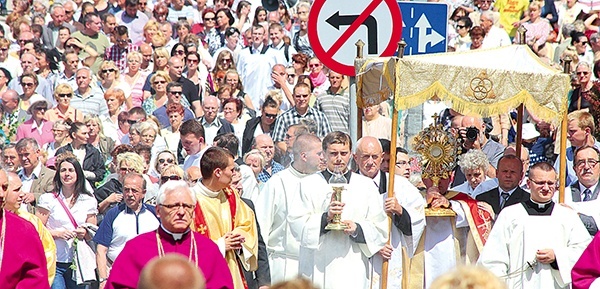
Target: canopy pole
(562,176)
(521,109)
(392,173)
(359,112)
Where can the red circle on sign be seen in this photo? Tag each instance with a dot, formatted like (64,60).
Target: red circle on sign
(327,58)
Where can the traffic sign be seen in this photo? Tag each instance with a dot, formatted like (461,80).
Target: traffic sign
(334,26)
(424,27)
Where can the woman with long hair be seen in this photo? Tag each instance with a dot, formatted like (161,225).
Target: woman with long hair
(63,93)
(232,77)
(175,112)
(224,20)
(87,154)
(300,38)
(300,64)
(242,22)
(285,16)
(65,213)
(158,82)
(183,29)
(5,78)
(318,76)
(260,16)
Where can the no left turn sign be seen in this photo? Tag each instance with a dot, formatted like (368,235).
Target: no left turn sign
(334,26)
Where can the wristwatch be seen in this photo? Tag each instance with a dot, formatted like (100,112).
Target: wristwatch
(100,280)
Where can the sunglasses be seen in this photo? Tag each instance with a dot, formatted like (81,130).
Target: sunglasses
(209,19)
(3,49)
(226,60)
(65,95)
(165,179)
(25,40)
(108,70)
(162,161)
(583,73)
(193,60)
(269,115)
(131,121)
(27,84)
(314,65)
(160,82)
(176,92)
(460,26)
(180,52)
(40,108)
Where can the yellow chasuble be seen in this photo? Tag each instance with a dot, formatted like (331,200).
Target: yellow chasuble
(47,241)
(213,219)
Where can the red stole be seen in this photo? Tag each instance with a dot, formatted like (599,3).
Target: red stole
(482,217)
(202,227)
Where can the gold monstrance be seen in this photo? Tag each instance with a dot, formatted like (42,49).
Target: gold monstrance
(438,149)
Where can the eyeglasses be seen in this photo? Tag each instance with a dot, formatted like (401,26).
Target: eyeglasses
(542,183)
(165,179)
(291,75)
(162,161)
(583,72)
(581,163)
(176,92)
(180,52)
(160,82)
(108,70)
(192,60)
(269,115)
(461,26)
(27,84)
(184,206)
(132,121)
(4,49)
(65,95)
(25,40)
(40,108)
(314,65)
(301,95)
(209,19)
(584,42)
(129,170)
(68,12)
(143,4)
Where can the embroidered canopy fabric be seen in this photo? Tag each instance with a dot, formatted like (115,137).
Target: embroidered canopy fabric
(484,82)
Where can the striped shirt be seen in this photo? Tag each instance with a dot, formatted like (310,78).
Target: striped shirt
(336,107)
(291,117)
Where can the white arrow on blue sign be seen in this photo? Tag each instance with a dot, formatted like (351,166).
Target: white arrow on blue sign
(425,27)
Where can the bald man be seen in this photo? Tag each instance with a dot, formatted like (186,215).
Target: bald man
(407,209)
(213,125)
(192,175)
(171,271)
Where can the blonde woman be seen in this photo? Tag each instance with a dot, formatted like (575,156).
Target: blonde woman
(161,59)
(63,93)
(171,173)
(60,130)
(134,79)
(150,29)
(96,136)
(158,82)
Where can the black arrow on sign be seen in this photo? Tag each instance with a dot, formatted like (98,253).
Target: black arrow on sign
(336,20)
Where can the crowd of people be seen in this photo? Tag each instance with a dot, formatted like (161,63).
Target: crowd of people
(209,135)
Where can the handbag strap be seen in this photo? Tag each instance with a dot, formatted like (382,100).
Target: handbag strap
(66,210)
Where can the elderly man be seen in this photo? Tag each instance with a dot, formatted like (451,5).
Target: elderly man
(50,31)
(87,98)
(213,125)
(10,159)
(221,215)
(407,209)
(535,244)
(123,223)
(275,201)
(301,110)
(264,143)
(582,194)
(70,62)
(12,202)
(509,174)
(12,114)
(175,209)
(23,248)
(36,178)
(326,254)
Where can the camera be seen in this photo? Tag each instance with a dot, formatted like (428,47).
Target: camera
(472,133)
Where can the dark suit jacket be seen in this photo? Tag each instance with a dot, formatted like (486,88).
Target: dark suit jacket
(492,197)
(248,135)
(47,38)
(262,275)
(588,221)
(93,162)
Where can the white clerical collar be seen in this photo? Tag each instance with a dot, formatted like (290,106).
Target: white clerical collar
(541,205)
(176,236)
(206,191)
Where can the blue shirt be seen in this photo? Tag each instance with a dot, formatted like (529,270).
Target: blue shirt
(264,175)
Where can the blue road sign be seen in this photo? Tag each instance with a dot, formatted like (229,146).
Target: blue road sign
(424,27)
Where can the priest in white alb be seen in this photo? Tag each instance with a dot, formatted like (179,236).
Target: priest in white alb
(274,202)
(338,258)
(534,244)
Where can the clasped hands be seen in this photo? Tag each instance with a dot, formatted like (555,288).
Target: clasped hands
(436,199)
(233,241)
